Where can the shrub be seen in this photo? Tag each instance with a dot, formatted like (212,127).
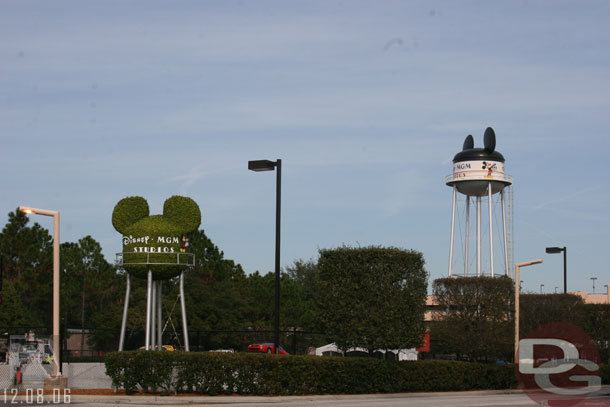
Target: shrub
(221,373)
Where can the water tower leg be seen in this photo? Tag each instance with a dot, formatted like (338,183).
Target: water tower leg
(478,236)
(185,331)
(491,233)
(148,310)
(467,235)
(452,232)
(159,314)
(125,312)
(153,314)
(504,232)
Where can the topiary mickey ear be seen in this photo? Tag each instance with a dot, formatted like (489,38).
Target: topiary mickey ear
(128,211)
(182,211)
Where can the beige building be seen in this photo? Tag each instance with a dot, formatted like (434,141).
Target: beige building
(432,306)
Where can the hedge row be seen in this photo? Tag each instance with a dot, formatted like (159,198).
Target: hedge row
(221,373)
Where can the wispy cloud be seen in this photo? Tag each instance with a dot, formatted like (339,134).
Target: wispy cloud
(565,198)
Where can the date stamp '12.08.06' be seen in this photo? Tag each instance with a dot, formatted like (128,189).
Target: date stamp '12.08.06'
(35,397)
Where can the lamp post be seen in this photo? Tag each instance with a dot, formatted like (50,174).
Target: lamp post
(266,165)
(593,279)
(55,215)
(517,267)
(553,250)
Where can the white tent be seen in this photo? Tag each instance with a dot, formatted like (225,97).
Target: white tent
(332,350)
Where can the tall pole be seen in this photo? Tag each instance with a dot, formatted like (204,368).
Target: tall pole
(56,344)
(55,340)
(185,331)
(491,235)
(452,233)
(153,324)
(278,206)
(517,287)
(565,270)
(125,312)
(148,310)
(159,314)
(504,231)
(467,235)
(478,236)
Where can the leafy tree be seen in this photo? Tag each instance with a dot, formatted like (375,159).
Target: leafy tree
(27,254)
(597,324)
(298,289)
(13,312)
(372,297)
(88,283)
(540,309)
(475,316)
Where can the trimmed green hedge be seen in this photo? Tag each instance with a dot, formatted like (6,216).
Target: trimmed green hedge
(242,373)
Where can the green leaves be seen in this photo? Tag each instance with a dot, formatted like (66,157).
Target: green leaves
(372,297)
(128,211)
(226,373)
(474,317)
(155,239)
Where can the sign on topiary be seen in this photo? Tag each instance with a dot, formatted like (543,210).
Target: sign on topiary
(155,242)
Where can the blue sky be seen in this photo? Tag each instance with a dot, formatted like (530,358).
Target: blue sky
(366,103)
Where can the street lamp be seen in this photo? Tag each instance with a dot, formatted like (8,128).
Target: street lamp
(541,286)
(55,215)
(593,279)
(266,165)
(553,250)
(517,266)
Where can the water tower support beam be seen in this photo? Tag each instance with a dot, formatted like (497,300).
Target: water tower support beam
(185,330)
(125,312)
(452,231)
(504,231)
(153,314)
(148,310)
(491,234)
(159,314)
(467,235)
(478,236)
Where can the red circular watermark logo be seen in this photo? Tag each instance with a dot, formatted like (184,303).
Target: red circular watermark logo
(558,366)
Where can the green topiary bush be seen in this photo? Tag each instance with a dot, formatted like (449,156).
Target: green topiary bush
(257,374)
(155,239)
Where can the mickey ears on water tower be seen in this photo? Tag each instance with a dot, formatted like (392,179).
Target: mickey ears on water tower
(468,143)
(489,140)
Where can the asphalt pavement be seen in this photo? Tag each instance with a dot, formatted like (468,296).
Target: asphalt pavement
(486,398)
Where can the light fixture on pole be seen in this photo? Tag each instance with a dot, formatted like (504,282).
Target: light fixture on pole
(517,267)
(55,344)
(593,279)
(553,250)
(266,165)
(541,286)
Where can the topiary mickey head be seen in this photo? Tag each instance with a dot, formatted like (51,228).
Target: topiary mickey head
(154,242)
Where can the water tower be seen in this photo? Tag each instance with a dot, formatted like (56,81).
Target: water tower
(478,173)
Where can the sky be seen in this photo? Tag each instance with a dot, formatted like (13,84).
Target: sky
(365,103)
